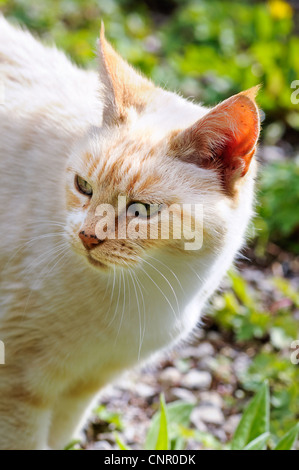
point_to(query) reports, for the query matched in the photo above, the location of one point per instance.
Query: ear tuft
(251, 93)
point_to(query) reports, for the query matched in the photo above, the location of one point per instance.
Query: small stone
(228, 352)
(196, 420)
(202, 350)
(241, 364)
(214, 336)
(211, 398)
(128, 434)
(170, 375)
(143, 390)
(197, 379)
(183, 394)
(205, 349)
(101, 445)
(231, 424)
(210, 415)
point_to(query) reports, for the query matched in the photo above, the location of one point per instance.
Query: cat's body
(69, 328)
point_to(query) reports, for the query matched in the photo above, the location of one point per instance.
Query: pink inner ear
(242, 131)
(225, 138)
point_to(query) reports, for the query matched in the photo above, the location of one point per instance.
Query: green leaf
(178, 414)
(255, 420)
(259, 443)
(120, 443)
(163, 440)
(289, 439)
(72, 445)
(110, 417)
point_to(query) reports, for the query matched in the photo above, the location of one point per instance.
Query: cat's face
(133, 184)
(148, 181)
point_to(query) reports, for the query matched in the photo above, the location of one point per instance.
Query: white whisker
(165, 278)
(160, 290)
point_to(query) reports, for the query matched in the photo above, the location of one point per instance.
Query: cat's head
(156, 167)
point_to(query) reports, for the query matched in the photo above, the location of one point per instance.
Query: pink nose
(89, 241)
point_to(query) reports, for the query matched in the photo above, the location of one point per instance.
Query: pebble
(205, 349)
(231, 424)
(196, 379)
(196, 420)
(241, 364)
(210, 414)
(211, 398)
(170, 375)
(202, 350)
(143, 390)
(101, 445)
(183, 394)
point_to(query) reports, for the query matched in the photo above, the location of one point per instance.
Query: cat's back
(46, 104)
(34, 76)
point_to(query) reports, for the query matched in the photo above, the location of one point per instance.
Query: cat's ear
(123, 86)
(224, 139)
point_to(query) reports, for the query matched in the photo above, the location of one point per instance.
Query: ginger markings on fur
(78, 309)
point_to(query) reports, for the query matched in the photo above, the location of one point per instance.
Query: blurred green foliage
(169, 428)
(242, 312)
(278, 205)
(205, 49)
(208, 49)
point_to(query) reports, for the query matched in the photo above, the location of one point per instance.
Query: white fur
(63, 322)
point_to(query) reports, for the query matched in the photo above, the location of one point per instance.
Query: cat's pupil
(136, 213)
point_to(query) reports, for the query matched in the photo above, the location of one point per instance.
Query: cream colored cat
(76, 311)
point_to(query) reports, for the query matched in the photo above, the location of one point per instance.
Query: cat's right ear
(123, 86)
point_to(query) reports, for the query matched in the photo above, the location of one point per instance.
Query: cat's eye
(145, 211)
(83, 186)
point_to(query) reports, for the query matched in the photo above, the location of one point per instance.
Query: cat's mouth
(108, 263)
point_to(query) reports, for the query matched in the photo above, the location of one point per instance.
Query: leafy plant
(278, 202)
(207, 49)
(252, 433)
(254, 427)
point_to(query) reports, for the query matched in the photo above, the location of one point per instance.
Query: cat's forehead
(122, 147)
(121, 160)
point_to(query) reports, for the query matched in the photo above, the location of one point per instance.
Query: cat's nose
(90, 241)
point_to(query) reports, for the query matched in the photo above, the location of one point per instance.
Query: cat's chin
(106, 265)
(97, 264)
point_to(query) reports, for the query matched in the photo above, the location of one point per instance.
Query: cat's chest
(109, 324)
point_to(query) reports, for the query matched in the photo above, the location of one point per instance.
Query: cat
(75, 309)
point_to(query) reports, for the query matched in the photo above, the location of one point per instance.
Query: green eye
(145, 211)
(83, 186)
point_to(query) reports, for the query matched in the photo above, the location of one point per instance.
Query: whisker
(24, 245)
(123, 310)
(139, 314)
(43, 256)
(165, 278)
(192, 269)
(167, 267)
(117, 304)
(160, 290)
(112, 293)
(139, 284)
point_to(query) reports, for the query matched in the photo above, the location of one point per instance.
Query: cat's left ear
(123, 86)
(224, 139)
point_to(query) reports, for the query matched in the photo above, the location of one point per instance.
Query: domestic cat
(76, 309)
